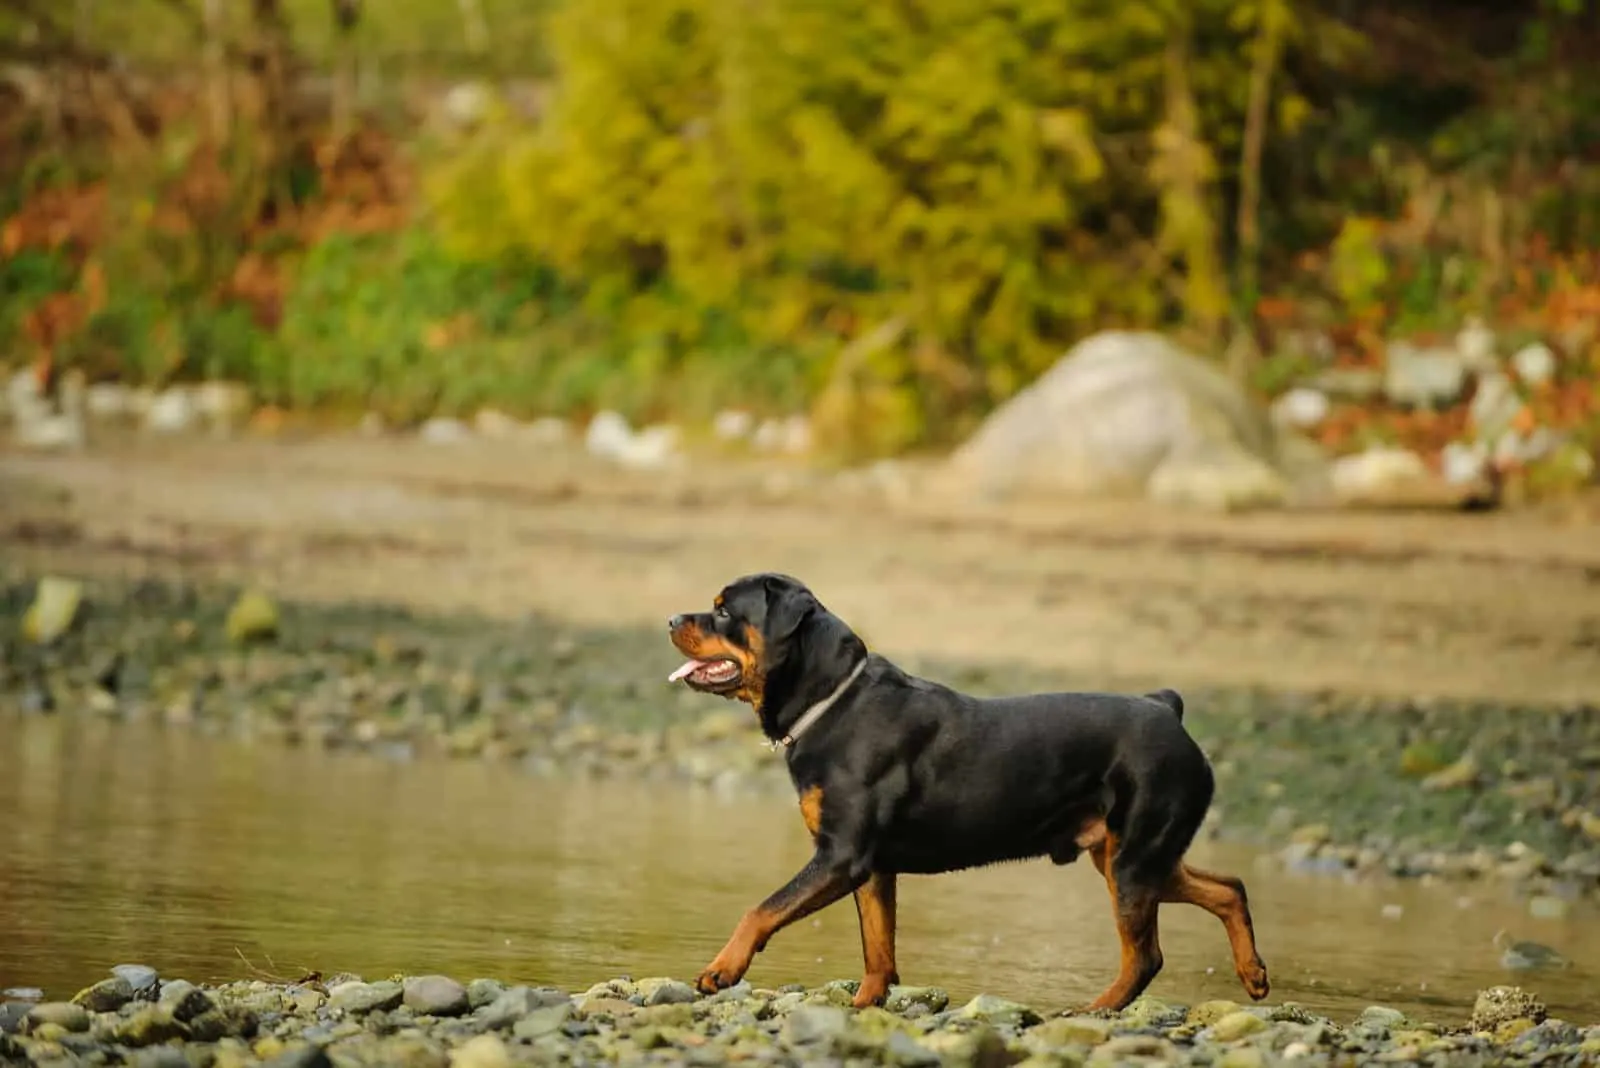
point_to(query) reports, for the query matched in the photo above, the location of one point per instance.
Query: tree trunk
(219, 93)
(1274, 17)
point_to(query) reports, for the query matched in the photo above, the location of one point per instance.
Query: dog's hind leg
(1224, 897)
(1134, 905)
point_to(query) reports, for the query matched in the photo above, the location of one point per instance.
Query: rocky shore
(135, 1017)
(1336, 784)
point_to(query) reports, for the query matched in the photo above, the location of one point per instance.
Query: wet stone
(69, 1016)
(141, 979)
(435, 995)
(361, 998)
(916, 1000)
(108, 995)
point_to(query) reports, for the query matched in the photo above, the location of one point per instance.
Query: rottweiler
(899, 775)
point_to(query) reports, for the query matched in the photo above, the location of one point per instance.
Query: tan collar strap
(816, 711)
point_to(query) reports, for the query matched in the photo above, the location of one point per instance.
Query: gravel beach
(137, 1018)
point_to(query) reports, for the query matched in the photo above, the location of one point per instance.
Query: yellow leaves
(1071, 132)
(1294, 111)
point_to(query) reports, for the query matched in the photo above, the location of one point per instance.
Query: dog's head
(768, 641)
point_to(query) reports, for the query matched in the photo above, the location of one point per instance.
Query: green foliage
(800, 173)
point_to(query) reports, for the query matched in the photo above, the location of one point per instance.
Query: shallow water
(215, 860)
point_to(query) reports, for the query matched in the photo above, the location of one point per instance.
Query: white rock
(1126, 414)
(49, 431)
(796, 435)
(652, 448)
(23, 393)
(222, 404)
(1514, 448)
(547, 430)
(768, 437)
(1463, 464)
(1476, 344)
(608, 435)
(1423, 378)
(172, 411)
(495, 424)
(733, 424)
(1494, 405)
(108, 400)
(1301, 408)
(1535, 364)
(1376, 472)
(466, 103)
(444, 431)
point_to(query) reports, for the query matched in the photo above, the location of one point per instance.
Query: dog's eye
(719, 613)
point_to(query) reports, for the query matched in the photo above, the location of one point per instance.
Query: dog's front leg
(826, 878)
(875, 910)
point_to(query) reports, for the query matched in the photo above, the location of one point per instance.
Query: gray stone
(63, 1014)
(362, 998)
(1128, 413)
(149, 1027)
(481, 1051)
(300, 1056)
(184, 1000)
(481, 992)
(999, 1011)
(518, 1002)
(814, 1023)
(141, 978)
(159, 1057)
(1071, 1031)
(666, 992)
(540, 1022)
(928, 999)
(108, 995)
(435, 995)
(1130, 1047)
(1237, 1025)
(901, 1049)
(1381, 1016)
(1499, 1005)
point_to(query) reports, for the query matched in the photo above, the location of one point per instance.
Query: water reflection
(213, 860)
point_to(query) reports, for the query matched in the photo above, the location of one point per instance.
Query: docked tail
(1171, 698)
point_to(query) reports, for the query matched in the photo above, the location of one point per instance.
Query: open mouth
(712, 674)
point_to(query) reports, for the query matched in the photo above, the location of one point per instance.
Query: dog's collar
(816, 711)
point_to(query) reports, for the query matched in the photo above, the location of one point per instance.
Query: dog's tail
(1171, 698)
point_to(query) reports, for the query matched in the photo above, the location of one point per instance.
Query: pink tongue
(689, 666)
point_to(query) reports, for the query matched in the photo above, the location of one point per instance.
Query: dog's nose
(674, 622)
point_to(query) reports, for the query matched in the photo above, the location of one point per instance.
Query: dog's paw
(717, 977)
(1255, 980)
(873, 990)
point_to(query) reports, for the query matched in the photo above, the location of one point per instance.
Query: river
(210, 860)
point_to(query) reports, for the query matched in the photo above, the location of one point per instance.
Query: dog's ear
(788, 605)
(831, 649)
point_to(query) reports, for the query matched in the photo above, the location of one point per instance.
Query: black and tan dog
(898, 775)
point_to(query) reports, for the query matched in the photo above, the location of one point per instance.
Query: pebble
(361, 998)
(795, 1026)
(436, 995)
(140, 978)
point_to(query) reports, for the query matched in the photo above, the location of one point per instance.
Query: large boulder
(1130, 414)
